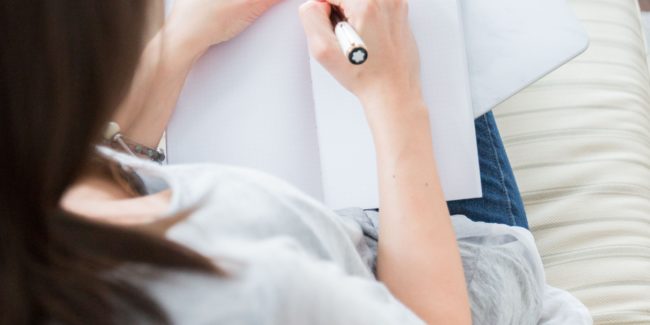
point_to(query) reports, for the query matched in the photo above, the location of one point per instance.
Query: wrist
(162, 70)
(392, 118)
(390, 105)
(381, 94)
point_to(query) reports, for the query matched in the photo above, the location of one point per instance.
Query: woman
(85, 241)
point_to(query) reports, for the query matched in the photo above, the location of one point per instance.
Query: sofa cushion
(579, 142)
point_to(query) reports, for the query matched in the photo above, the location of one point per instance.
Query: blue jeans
(501, 201)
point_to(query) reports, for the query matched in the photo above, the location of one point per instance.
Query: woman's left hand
(191, 28)
(199, 24)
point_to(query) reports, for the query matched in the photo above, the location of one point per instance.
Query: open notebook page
(249, 102)
(347, 152)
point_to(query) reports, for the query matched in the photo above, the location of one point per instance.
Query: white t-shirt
(291, 260)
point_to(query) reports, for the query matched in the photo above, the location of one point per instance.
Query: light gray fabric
(293, 261)
(503, 271)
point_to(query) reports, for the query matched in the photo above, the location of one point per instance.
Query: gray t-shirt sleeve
(320, 292)
(281, 285)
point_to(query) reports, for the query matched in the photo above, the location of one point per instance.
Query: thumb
(321, 40)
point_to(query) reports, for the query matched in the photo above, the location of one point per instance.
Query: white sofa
(579, 142)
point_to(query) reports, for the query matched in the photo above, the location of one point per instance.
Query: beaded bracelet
(115, 139)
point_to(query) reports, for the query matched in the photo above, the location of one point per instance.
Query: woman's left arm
(191, 28)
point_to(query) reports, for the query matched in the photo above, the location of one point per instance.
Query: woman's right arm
(418, 257)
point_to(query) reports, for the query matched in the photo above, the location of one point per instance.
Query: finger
(319, 31)
(338, 3)
(352, 10)
(315, 18)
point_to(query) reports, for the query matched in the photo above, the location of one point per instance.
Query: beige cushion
(579, 141)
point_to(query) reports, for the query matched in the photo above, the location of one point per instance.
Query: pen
(351, 43)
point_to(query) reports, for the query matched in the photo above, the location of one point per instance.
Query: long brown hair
(64, 67)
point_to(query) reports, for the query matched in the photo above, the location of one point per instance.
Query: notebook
(259, 101)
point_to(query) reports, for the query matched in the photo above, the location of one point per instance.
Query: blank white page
(249, 102)
(513, 43)
(347, 151)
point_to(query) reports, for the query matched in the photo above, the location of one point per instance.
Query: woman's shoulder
(275, 284)
(219, 190)
(255, 286)
(235, 204)
(231, 207)
(204, 184)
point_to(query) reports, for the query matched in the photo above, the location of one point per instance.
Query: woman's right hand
(392, 68)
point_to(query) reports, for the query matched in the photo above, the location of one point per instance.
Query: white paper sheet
(513, 43)
(248, 102)
(346, 147)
